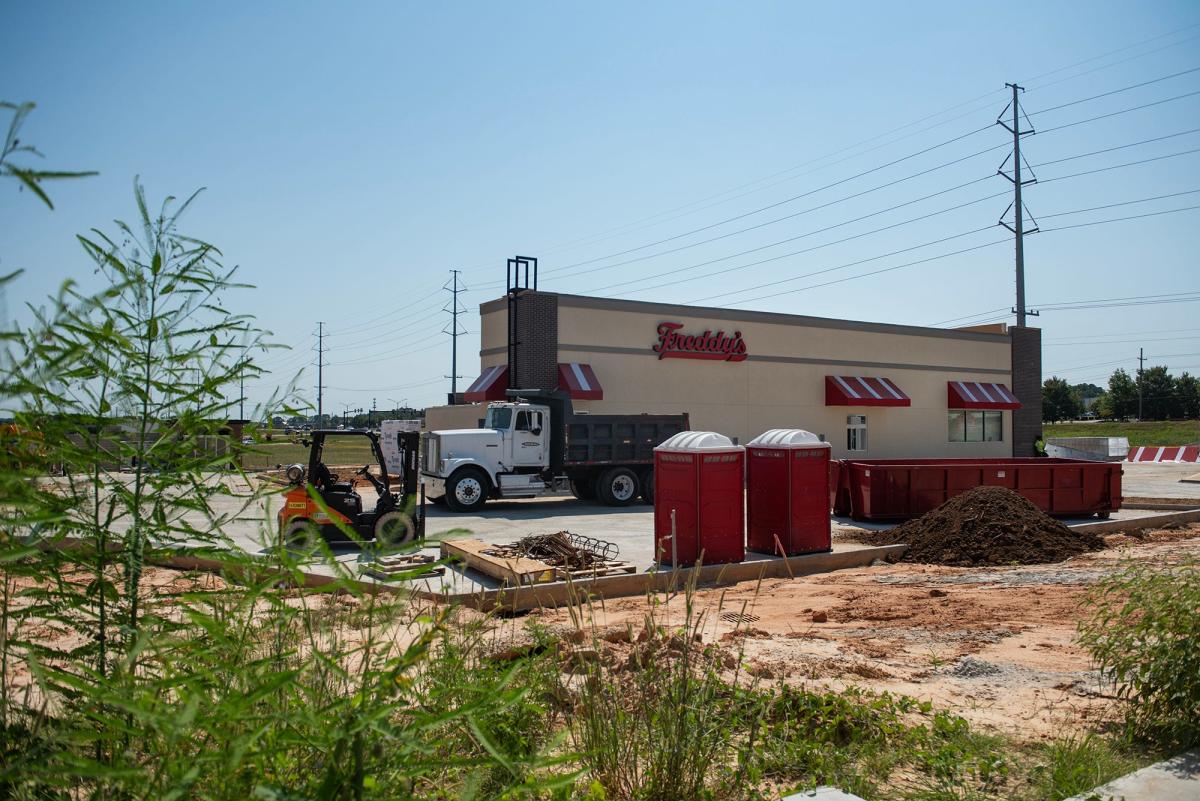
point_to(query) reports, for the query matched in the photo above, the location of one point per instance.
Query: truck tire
(467, 490)
(584, 488)
(618, 486)
(648, 485)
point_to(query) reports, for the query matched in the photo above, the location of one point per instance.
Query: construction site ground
(630, 528)
(995, 645)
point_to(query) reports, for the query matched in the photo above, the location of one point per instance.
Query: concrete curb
(565, 593)
(1174, 779)
(1133, 524)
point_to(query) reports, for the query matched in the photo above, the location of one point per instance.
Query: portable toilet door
(788, 481)
(699, 482)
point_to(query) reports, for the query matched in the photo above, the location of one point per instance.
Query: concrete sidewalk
(1175, 779)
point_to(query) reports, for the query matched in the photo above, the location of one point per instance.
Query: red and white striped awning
(1166, 453)
(979, 395)
(490, 385)
(580, 381)
(858, 390)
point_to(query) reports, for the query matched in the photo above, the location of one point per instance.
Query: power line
(773, 205)
(1119, 166)
(1121, 219)
(607, 233)
(1061, 304)
(836, 183)
(910, 264)
(1123, 111)
(796, 252)
(1115, 342)
(1117, 147)
(808, 211)
(827, 228)
(1122, 61)
(1116, 91)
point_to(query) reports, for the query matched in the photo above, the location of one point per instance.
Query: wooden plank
(394, 572)
(602, 569)
(512, 571)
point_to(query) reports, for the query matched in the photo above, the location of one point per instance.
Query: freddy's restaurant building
(870, 389)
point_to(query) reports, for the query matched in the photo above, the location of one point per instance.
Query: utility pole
(453, 288)
(1141, 365)
(1018, 207)
(371, 414)
(320, 370)
(241, 396)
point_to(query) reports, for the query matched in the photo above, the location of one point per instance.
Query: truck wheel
(301, 536)
(584, 488)
(648, 486)
(618, 487)
(467, 490)
(394, 528)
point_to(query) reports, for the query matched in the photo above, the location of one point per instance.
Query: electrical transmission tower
(1018, 206)
(454, 286)
(320, 370)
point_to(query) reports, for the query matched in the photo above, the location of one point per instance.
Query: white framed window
(974, 425)
(856, 432)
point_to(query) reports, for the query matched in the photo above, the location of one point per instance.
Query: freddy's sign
(672, 344)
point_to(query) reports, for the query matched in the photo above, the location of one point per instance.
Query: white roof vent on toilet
(689, 441)
(787, 438)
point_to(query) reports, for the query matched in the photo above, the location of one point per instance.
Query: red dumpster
(787, 489)
(895, 489)
(699, 479)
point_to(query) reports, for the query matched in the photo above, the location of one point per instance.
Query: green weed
(1143, 636)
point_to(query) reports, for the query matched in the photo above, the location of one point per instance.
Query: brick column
(1027, 386)
(537, 341)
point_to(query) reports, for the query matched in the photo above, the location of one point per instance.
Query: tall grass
(118, 688)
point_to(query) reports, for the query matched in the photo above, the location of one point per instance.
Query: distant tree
(1088, 391)
(1102, 407)
(1060, 401)
(1187, 395)
(1158, 394)
(1122, 395)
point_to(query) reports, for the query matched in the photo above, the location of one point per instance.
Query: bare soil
(995, 644)
(986, 526)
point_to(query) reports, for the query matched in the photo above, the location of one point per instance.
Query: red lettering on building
(718, 346)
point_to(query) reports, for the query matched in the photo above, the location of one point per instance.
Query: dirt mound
(987, 526)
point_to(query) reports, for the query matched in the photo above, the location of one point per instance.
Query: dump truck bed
(618, 438)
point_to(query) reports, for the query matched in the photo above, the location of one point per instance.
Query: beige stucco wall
(743, 399)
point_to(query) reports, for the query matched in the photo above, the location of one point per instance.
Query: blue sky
(352, 154)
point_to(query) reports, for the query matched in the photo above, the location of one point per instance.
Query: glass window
(970, 425)
(974, 426)
(993, 426)
(856, 433)
(523, 421)
(499, 417)
(958, 426)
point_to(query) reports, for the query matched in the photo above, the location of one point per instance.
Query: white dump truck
(536, 444)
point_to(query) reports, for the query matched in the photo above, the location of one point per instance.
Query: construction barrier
(1164, 453)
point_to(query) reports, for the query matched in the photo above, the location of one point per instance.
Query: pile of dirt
(987, 526)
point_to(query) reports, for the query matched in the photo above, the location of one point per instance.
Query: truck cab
(506, 458)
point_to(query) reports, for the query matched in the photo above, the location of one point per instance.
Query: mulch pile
(986, 526)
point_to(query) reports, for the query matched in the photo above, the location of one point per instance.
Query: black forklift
(398, 518)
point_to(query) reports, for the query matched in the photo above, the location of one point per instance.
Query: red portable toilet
(787, 480)
(699, 476)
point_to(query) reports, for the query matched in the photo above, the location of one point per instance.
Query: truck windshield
(499, 417)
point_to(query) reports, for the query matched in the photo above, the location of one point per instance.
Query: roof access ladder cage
(517, 280)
